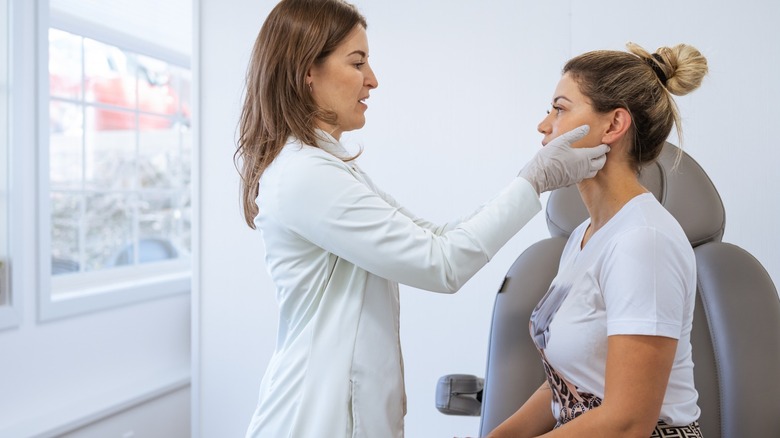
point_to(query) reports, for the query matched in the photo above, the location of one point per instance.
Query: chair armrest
(459, 394)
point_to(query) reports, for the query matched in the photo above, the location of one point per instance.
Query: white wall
(236, 311)
(462, 86)
(60, 374)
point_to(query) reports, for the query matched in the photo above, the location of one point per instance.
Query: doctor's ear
(619, 125)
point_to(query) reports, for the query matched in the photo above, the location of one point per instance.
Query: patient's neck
(606, 193)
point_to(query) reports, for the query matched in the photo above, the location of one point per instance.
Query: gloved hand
(559, 165)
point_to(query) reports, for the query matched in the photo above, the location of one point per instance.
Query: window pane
(109, 154)
(66, 138)
(184, 214)
(181, 81)
(157, 93)
(66, 118)
(186, 153)
(65, 215)
(160, 160)
(65, 78)
(108, 225)
(148, 122)
(102, 119)
(159, 226)
(110, 75)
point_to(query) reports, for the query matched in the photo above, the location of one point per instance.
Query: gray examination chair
(736, 327)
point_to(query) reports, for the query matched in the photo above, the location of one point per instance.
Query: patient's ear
(619, 124)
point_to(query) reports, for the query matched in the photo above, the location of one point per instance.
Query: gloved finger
(572, 136)
(595, 165)
(598, 161)
(596, 151)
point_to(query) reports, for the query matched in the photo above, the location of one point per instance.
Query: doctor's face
(570, 109)
(341, 83)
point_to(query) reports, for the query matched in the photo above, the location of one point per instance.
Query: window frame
(10, 303)
(121, 286)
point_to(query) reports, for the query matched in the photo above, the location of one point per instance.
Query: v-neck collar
(604, 229)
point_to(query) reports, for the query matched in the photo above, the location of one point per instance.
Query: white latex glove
(559, 165)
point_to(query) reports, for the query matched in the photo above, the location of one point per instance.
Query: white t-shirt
(635, 276)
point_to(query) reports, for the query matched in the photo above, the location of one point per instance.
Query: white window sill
(77, 294)
(87, 411)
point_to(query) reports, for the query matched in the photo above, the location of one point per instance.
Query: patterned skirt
(663, 430)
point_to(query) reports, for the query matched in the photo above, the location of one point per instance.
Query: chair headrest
(686, 192)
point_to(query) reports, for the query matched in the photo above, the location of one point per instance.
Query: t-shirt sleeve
(644, 281)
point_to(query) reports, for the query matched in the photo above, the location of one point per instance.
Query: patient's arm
(638, 369)
(534, 418)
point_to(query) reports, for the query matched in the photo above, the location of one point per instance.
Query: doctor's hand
(559, 165)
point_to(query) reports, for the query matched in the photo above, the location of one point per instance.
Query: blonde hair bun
(683, 65)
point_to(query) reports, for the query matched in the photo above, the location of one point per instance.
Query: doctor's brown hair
(642, 83)
(296, 35)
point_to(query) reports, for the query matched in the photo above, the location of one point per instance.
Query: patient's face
(570, 109)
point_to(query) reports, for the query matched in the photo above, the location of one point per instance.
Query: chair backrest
(736, 329)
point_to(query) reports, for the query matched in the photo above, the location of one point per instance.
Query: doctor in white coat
(337, 246)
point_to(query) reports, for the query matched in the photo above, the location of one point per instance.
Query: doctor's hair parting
(278, 104)
(643, 84)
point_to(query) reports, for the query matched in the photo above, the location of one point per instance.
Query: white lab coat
(336, 249)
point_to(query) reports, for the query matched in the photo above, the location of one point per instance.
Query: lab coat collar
(329, 144)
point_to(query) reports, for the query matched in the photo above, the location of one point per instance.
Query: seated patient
(614, 328)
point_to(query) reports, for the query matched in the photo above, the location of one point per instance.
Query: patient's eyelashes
(555, 108)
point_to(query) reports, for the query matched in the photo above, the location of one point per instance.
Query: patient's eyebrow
(561, 97)
(358, 52)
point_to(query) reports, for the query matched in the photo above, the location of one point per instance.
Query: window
(117, 195)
